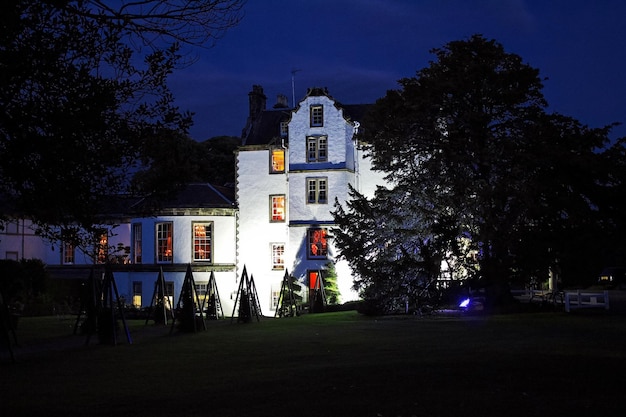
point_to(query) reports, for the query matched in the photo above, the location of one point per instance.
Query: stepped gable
(263, 126)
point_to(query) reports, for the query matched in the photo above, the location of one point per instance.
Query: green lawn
(333, 364)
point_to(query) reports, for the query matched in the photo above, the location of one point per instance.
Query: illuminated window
(278, 208)
(169, 294)
(317, 190)
(164, 236)
(202, 241)
(277, 163)
(278, 256)
(103, 248)
(137, 287)
(284, 129)
(68, 253)
(201, 292)
(317, 243)
(317, 116)
(137, 243)
(317, 148)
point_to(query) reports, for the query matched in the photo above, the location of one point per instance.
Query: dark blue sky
(360, 48)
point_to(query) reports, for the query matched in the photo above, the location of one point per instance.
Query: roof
(193, 196)
(265, 129)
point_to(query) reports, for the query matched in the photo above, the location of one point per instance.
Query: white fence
(586, 299)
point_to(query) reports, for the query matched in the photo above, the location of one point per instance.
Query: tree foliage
(482, 178)
(83, 88)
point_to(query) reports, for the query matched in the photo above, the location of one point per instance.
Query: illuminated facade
(292, 165)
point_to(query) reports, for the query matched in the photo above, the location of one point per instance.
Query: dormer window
(284, 129)
(317, 116)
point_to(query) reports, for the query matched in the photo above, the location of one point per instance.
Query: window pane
(137, 243)
(311, 149)
(278, 256)
(317, 116)
(103, 248)
(278, 208)
(322, 149)
(164, 242)
(202, 242)
(312, 191)
(318, 247)
(68, 253)
(278, 160)
(321, 193)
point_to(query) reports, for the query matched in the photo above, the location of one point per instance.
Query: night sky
(360, 48)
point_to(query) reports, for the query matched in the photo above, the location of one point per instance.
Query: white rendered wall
(256, 232)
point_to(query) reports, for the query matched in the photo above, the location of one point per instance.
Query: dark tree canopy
(83, 89)
(480, 175)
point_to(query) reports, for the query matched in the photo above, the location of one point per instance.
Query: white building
(292, 165)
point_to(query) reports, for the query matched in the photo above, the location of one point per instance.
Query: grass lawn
(333, 364)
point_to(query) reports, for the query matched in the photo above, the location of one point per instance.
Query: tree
(83, 88)
(482, 178)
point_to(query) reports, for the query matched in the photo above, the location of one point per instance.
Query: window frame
(137, 299)
(169, 246)
(277, 250)
(274, 218)
(274, 167)
(317, 190)
(320, 241)
(316, 115)
(102, 248)
(198, 241)
(317, 148)
(68, 253)
(137, 239)
(284, 129)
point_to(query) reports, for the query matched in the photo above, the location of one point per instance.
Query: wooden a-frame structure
(161, 308)
(288, 300)
(188, 309)
(102, 306)
(247, 300)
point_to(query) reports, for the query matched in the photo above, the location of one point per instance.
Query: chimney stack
(281, 102)
(257, 101)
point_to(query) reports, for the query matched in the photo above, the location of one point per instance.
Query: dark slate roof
(266, 128)
(192, 196)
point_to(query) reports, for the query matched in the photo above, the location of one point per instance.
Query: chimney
(281, 102)
(257, 101)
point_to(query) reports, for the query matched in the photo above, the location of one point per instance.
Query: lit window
(278, 256)
(278, 207)
(103, 248)
(284, 129)
(68, 253)
(137, 294)
(164, 238)
(317, 243)
(201, 292)
(317, 148)
(317, 116)
(277, 161)
(137, 243)
(317, 190)
(202, 241)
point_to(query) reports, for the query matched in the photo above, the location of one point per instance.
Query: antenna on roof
(293, 86)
